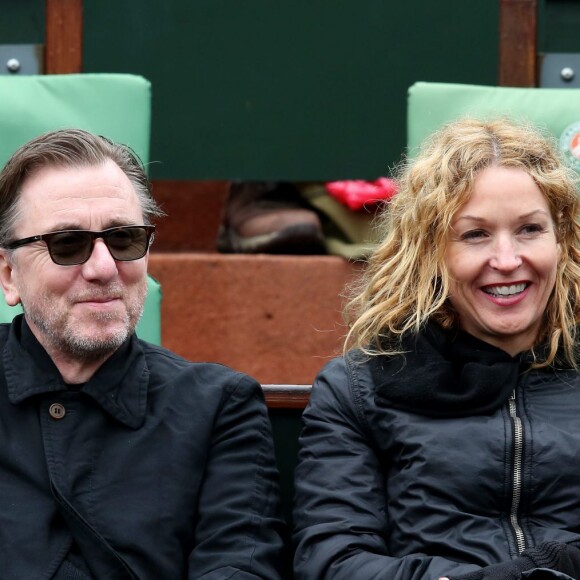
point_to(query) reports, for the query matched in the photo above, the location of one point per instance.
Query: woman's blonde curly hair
(406, 282)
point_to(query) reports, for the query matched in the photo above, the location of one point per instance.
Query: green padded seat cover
(430, 105)
(117, 106)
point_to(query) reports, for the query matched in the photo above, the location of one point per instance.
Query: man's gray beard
(63, 339)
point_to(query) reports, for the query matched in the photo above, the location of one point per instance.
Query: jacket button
(57, 411)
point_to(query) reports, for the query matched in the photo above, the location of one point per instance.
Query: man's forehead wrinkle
(118, 193)
(71, 220)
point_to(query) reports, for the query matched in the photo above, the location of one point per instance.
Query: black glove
(545, 574)
(547, 561)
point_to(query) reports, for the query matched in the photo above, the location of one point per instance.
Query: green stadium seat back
(117, 106)
(430, 105)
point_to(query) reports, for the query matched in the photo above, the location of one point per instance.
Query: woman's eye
(473, 235)
(532, 229)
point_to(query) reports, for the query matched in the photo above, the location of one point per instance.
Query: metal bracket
(21, 59)
(560, 70)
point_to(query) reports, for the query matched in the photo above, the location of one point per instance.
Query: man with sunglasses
(118, 459)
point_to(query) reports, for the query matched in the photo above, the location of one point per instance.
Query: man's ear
(11, 294)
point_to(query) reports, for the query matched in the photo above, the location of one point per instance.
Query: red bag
(358, 194)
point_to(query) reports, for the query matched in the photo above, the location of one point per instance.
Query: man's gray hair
(68, 148)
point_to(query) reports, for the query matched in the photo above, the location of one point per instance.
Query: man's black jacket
(156, 467)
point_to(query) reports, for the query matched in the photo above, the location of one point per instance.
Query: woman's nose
(506, 256)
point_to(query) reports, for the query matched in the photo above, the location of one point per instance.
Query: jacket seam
(255, 520)
(354, 385)
(259, 478)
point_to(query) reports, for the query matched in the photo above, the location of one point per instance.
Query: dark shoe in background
(268, 217)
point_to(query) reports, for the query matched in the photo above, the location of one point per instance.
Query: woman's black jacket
(439, 463)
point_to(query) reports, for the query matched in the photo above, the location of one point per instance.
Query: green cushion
(432, 104)
(117, 106)
(149, 327)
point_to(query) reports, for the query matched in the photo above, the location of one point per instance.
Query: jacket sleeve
(239, 529)
(340, 510)
(547, 561)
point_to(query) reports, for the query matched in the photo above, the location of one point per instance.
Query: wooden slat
(518, 43)
(287, 396)
(193, 209)
(64, 37)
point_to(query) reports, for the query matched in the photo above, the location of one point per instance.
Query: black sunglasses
(74, 247)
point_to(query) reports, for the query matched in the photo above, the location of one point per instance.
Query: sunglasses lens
(128, 243)
(70, 248)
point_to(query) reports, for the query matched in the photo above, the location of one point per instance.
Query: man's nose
(101, 264)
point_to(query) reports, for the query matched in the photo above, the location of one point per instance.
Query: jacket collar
(119, 386)
(446, 374)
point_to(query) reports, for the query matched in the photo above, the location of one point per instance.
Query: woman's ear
(11, 294)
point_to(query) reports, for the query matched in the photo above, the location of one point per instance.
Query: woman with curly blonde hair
(445, 443)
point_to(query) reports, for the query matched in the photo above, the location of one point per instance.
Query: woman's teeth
(505, 290)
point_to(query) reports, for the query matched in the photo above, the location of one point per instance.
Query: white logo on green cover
(570, 144)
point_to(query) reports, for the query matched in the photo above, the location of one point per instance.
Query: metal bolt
(13, 65)
(567, 73)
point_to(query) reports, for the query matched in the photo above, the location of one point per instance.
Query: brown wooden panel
(287, 396)
(276, 318)
(64, 36)
(193, 217)
(518, 43)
